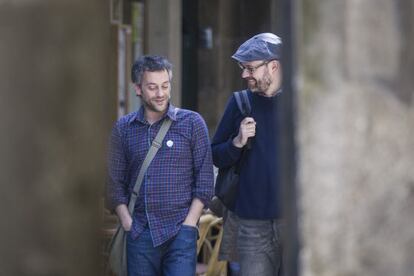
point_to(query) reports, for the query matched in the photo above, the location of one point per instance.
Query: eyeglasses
(252, 69)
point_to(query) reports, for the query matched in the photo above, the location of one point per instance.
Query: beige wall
(356, 140)
(55, 111)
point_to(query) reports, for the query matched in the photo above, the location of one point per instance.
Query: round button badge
(170, 143)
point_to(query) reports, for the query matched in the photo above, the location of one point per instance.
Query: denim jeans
(176, 257)
(259, 245)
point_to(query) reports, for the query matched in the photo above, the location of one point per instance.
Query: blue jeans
(259, 245)
(176, 257)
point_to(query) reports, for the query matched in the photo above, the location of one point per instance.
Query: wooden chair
(208, 245)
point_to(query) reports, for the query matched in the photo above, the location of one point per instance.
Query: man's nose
(158, 92)
(245, 73)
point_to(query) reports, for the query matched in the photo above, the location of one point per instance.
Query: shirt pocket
(177, 150)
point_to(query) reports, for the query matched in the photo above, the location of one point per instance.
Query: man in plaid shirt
(162, 233)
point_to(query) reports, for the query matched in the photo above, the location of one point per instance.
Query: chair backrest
(211, 234)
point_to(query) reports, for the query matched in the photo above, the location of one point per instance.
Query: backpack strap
(243, 102)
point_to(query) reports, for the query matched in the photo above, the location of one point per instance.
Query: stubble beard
(152, 106)
(260, 85)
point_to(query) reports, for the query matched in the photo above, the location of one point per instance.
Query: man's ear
(275, 65)
(138, 90)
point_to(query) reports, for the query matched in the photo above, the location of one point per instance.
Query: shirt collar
(139, 115)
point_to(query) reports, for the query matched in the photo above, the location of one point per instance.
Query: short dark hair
(149, 63)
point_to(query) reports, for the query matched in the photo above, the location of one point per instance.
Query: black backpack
(227, 182)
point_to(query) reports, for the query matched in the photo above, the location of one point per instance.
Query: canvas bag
(227, 182)
(117, 259)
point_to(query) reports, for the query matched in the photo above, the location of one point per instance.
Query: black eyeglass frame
(252, 69)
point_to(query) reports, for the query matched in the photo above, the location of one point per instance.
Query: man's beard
(148, 104)
(260, 85)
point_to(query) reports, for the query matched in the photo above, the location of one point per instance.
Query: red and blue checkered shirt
(181, 170)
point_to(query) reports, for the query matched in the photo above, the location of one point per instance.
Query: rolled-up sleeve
(117, 187)
(203, 187)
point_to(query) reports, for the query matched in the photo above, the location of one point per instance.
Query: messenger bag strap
(155, 146)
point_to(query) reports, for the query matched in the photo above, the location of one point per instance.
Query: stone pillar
(356, 137)
(54, 120)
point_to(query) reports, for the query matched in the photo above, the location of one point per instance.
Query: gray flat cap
(264, 46)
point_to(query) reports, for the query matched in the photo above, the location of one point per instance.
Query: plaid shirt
(181, 170)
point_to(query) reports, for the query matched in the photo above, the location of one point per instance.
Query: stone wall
(355, 137)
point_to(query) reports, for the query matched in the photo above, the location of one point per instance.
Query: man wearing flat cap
(255, 137)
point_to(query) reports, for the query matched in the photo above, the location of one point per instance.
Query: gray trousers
(255, 244)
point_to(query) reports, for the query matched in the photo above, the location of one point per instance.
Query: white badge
(170, 143)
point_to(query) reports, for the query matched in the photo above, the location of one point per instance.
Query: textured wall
(356, 137)
(53, 123)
